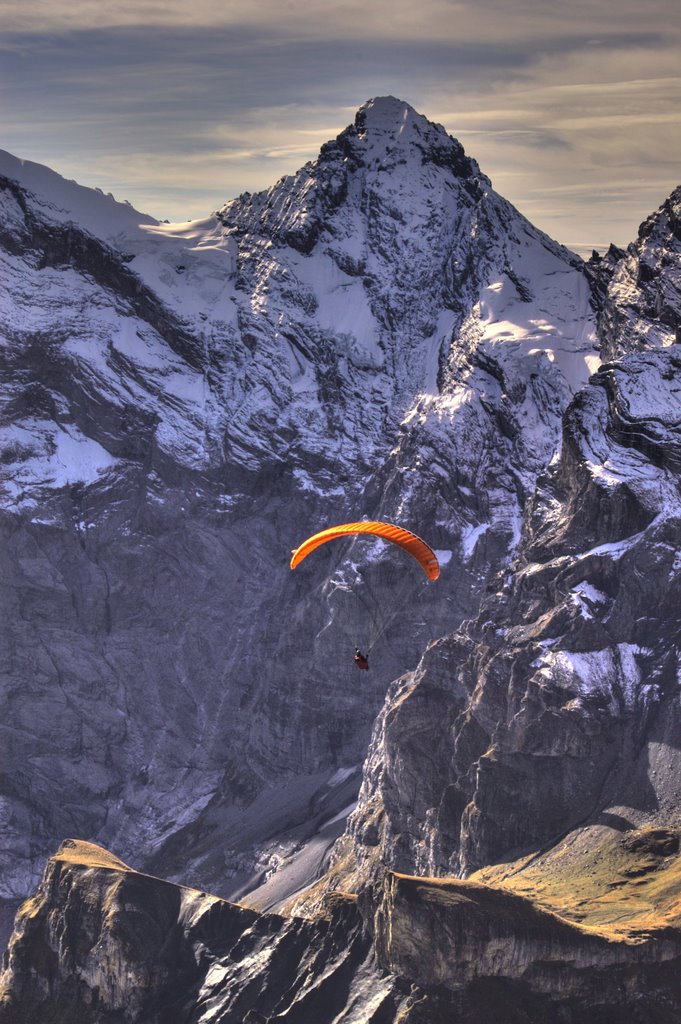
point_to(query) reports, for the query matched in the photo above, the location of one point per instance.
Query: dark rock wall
(561, 699)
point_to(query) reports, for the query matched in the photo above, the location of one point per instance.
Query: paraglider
(416, 547)
(402, 538)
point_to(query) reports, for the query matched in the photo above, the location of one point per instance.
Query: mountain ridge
(206, 409)
(379, 335)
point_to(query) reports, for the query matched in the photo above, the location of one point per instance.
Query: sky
(573, 110)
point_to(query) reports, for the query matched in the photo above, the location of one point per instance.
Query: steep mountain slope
(543, 737)
(380, 335)
(557, 707)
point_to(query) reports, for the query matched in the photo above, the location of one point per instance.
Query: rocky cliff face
(380, 335)
(556, 709)
(466, 937)
(100, 943)
(643, 296)
(558, 706)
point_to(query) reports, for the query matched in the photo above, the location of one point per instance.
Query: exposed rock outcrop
(461, 935)
(642, 308)
(100, 943)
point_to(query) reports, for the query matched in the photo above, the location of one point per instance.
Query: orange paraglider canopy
(416, 547)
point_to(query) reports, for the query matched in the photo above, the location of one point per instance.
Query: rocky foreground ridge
(382, 335)
(100, 942)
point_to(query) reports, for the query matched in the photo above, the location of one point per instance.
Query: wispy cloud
(177, 106)
(431, 20)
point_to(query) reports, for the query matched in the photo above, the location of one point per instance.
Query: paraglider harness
(360, 660)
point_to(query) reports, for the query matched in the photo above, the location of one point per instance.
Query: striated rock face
(379, 335)
(464, 936)
(557, 707)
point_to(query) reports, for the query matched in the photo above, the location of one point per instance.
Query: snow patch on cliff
(39, 453)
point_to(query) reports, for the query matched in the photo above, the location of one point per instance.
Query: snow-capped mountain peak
(388, 130)
(379, 334)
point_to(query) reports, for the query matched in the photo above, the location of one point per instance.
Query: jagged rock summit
(644, 295)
